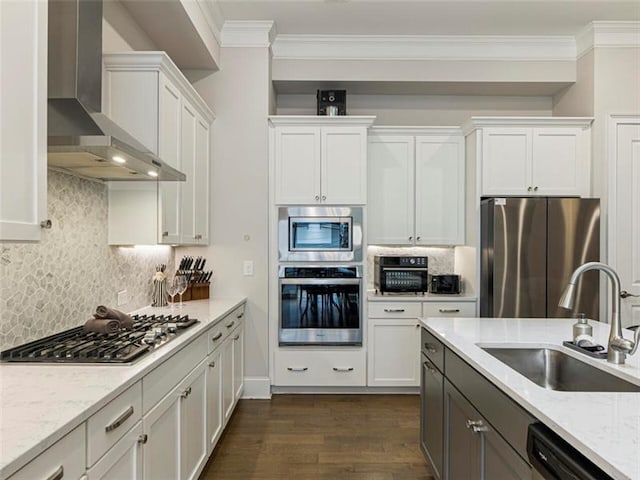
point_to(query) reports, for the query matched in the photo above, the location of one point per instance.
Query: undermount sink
(554, 370)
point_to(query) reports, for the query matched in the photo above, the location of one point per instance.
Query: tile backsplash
(57, 283)
(441, 259)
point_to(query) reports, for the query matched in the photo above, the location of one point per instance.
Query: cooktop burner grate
(79, 346)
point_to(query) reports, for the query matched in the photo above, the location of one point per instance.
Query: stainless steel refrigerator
(529, 248)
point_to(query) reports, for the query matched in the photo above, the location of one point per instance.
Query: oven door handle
(320, 281)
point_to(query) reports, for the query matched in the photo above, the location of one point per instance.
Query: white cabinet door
(558, 166)
(297, 165)
(214, 398)
(440, 185)
(201, 183)
(343, 165)
(506, 161)
(23, 138)
(394, 352)
(188, 122)
(228, 393)
(162, 450)
(238, 361)
(169, 108)
(123, 461)
(193, 428)
(390, 190)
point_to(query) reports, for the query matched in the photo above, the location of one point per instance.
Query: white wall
(120, 32)
(578, 99)
(434, 110)
(240, 97)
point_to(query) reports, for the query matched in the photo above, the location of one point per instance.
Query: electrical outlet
(123, 297)
(247, 268)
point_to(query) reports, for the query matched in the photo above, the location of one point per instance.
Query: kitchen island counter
(603, 426)
(40, 403)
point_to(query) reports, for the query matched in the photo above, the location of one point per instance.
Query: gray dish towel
(102, 325)
(105, 312)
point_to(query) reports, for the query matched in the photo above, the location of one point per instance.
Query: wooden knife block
(195, 291)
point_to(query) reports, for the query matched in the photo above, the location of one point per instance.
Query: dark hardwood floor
(324, 437)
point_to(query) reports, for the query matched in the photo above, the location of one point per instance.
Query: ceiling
(431, 17)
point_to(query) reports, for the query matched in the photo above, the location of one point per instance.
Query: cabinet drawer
(162, 379)
(433, 349)
(448, 309)
(216, 336)
(500, 411)
(64, 459)
(320, 368)
(395, 309)
(107, 426)
(231, 321)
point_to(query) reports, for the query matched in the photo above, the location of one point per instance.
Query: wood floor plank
(321, 437)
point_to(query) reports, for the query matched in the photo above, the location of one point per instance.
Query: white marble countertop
(604, 426)
(40, 403)
(372, 296)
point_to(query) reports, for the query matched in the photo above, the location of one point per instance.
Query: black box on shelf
(331, 102)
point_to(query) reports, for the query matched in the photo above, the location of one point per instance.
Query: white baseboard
(257, 387)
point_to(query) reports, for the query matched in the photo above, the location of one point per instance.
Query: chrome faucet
(619, 347)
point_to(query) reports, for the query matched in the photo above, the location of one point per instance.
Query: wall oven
(320, 305)
(311, 234)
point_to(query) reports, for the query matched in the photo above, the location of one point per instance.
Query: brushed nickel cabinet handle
(143, 438)
(535, 189)
(212, 364)
(240, 315)
(297, 369)
(58, 474)
(46, 224)
(394, 310)
(186, 393)
(236, 337)
(343, 369)
(418, 238)
(324, 197)
(411, 238)
(431, 368)
(317, 197)
(198, 236)
(229, 325)
(477, 426)
(430, 348)
(528, 189)
(217, 337)
(120, 420)
(165, 234)
(449, 310)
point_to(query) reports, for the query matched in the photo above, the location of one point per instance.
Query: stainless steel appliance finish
(529, 248)
(320, 305)
(77, 345)
(81, 139)
(320, 234)
(401, 274)
(554, 370)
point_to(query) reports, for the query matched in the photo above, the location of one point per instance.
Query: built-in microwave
(320, 234)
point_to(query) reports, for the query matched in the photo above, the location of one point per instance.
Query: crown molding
(318, 120)
(237, 33)
(479, 122)
(214, 17)
(607, 35)
(424, 47)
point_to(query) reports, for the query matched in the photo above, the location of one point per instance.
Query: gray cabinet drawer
(504, 414)
(433, 349)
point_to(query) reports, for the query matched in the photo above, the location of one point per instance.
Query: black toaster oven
(396, 274)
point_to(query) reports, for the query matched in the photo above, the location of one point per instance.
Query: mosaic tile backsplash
(441, 259)
(57, 283)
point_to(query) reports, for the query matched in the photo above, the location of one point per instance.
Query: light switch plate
(247, 268)
(123, 297)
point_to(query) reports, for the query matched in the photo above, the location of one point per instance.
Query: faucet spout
(619, 346)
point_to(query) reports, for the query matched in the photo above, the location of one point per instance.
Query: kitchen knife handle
(120, 420)
(57, 475)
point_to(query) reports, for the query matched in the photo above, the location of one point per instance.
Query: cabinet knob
(411, 238)
(165, 234)
(186, 393)
(528, 189)
(535, 189)
(143, 438)
(430, 348)
(236, 337)
(197, 236)
(46, 224)
(477, 426)
(317, 197)
(324, 197)
(418, 238)
(212, 364)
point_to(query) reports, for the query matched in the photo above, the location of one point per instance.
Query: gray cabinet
(469, 429)
(432, 415)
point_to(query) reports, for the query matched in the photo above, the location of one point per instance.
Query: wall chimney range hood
(81, 139)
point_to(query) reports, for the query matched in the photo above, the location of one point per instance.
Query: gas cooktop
(76, 345)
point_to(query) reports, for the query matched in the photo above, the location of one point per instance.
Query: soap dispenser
(582, 330)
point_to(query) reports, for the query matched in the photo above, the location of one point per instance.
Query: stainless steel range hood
(81, 139)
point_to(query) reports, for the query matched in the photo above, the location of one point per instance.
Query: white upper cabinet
(533, 156)
(148, 96)
(416, 183)
(23, 139)
(320, 160)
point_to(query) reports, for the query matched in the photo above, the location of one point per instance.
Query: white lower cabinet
(393, 361)
(227, 379)
(214, 398)
(193, 431)
(237, 336)
(123, 461)
(64, 459)
(343, 366)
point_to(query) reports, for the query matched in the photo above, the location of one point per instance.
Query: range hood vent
(81, 139)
